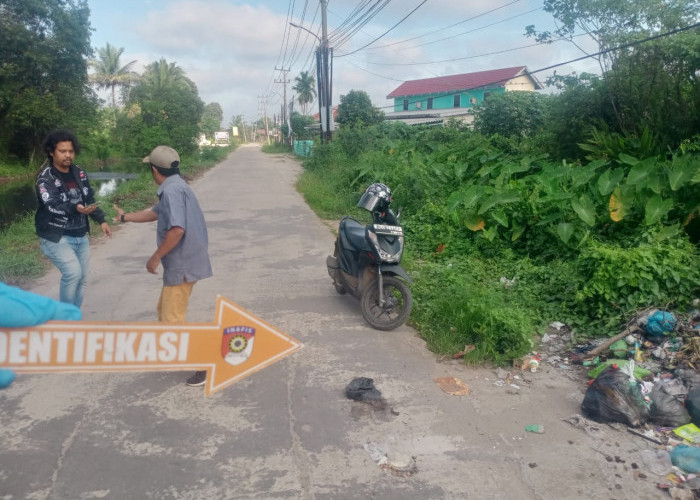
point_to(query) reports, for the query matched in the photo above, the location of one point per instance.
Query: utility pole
(284, 81)
(262, 100)
(324, 67)
(327, 108)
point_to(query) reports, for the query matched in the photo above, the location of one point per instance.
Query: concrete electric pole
(284, 81)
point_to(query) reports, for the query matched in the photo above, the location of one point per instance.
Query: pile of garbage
(648, 378)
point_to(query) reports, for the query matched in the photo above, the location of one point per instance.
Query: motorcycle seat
(352, 233)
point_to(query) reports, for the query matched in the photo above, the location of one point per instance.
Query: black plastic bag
(612, 397)
(692, 403)
(666, 410)
(362, 389)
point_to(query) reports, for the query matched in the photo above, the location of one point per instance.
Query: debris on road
(452, 386)
(645, 379)
(391, 459)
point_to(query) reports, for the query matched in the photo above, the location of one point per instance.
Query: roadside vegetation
(582, 206)
(276, 148)
(49, 82)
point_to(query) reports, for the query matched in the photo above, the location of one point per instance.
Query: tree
(108, 71)
(162, 76)
(652, 84)
(305, 89)
(44, 46)
(163, 108)
(211, 119)
(511, 114)
(355, 109)
(244, 130)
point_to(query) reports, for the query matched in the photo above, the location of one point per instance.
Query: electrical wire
(476, 56)
(445, 28)
(477, 29)
(587, 56)
(386, 32)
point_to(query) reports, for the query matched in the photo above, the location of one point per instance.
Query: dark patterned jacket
(54, 205)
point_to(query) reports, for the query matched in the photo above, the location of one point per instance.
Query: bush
(454, 309)
(620, 279)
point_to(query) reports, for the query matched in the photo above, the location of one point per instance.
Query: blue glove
(20, 308)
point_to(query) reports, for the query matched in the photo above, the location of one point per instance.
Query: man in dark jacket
(65, 200)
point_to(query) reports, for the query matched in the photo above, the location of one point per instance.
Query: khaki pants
(172, 305)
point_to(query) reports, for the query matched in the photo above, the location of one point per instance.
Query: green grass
(276, 148)
(20, 257)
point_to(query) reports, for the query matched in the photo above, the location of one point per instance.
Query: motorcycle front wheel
(397, 304)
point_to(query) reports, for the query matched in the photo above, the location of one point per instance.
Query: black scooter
(366, 262)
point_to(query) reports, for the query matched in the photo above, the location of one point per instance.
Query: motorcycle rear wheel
(398, 302)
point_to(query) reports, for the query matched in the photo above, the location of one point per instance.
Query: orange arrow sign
(236, 345)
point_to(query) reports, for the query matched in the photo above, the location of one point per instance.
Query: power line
(479, 28)
(513, 49)
(387, 31)
(588, 56)
(446, 27)
(343, 37)
(372, 73)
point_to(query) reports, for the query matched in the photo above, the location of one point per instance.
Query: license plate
(392, 230)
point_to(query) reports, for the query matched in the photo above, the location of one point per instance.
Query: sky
(234, 50)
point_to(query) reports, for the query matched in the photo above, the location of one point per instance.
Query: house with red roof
(435, 100)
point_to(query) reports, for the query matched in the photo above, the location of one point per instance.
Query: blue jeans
(71, 256)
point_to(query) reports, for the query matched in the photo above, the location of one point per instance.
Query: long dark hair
(54, 137)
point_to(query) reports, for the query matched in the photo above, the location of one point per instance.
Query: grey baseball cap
(163, 157)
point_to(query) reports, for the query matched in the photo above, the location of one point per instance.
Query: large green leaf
(627, 159)
(491, 233)
(499, 199)
(680, 173)
(500, 217)
(581, 175)
(609, 180)
(516, 168)
(656, 208)
(639, 173)
(517, 232)
(460, 170)
(585, 209)
(565, 230)
(466, 199)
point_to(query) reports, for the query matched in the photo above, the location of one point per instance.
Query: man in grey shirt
(181, 236)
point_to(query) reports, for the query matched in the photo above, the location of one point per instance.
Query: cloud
(231, 50)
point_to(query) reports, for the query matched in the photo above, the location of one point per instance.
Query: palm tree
(305, 88)
(109, 74)
(162, 75)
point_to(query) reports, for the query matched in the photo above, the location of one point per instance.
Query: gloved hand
(21, 308)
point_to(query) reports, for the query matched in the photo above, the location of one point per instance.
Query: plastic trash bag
(362, 389)
(687, 458)
(692, 403)
(613, 397)
(666, 410)
(659, 324)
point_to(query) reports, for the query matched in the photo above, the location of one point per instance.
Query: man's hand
(152, 264)
(106, 230)
(120, 212)
(85, 210)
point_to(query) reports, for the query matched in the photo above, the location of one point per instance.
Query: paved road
(287, 431)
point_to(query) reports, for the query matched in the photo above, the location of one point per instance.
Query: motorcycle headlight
(384, 256)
